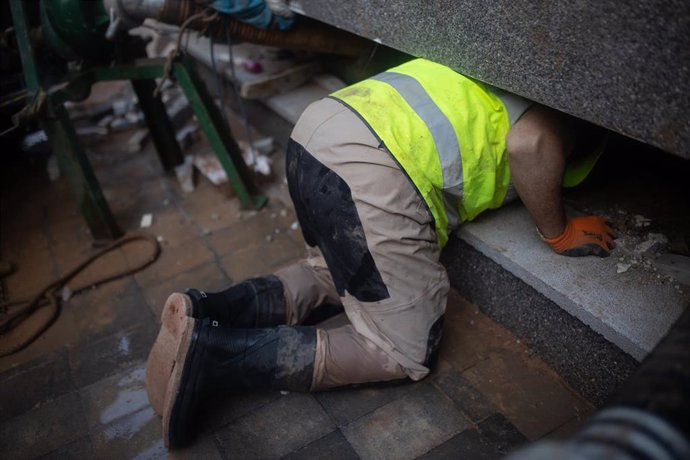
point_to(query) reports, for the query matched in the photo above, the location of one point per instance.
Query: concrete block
(632, 309)
(623, 67)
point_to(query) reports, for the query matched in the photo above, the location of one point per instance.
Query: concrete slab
(633, 309)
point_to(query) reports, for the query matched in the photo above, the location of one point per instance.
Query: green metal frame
(142, 73)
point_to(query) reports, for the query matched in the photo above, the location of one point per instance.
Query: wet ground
(78, 391)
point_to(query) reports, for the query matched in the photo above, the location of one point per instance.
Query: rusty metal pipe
(307, 34)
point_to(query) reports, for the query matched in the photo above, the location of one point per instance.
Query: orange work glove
(584, 236)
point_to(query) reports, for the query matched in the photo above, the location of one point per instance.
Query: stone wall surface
(621, 65)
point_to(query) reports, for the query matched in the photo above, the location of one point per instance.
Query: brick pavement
(78, 392)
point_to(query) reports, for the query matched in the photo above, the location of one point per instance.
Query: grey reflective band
(439, 125)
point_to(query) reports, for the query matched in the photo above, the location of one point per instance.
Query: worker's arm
(537, 146)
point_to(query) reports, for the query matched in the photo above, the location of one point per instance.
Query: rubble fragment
(622, 267)
(146, 220)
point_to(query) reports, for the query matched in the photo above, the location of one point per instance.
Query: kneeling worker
(379, 172)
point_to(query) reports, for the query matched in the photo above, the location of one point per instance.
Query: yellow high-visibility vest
(445, 130)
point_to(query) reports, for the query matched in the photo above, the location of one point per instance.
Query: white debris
(210, 167)
(283, 392)
(654, 242)
(160, 239)
(146, 220)
(283, 213)
(294, 226)
(185, 174)
(622, 268)
(66, 293)
(642, 221)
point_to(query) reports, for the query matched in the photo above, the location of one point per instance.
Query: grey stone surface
(624, 67)
(333, 446)
(94, 361)
(43, 429)
(348, 404)
(407, 427)
(466, 397)
(276, 429)
(39, 381)
(632, 310)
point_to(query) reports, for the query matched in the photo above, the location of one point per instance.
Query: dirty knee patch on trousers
(329, 220)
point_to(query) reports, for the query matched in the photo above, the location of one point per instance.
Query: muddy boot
(257, 302)
(211, 359)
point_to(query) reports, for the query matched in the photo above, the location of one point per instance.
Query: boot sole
(177, 403)
(161, 359)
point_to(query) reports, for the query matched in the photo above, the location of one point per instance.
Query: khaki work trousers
(386, 339)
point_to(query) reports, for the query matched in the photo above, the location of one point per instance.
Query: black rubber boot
(257, 302)
(217, 359)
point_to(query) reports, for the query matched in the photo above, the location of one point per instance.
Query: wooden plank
(280, 82)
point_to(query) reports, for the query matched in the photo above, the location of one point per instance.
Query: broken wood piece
(280, 82)
(210, 167)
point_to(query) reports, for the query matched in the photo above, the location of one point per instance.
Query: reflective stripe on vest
(445, 130)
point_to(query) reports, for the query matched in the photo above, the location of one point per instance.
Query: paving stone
(106, 266)
(348, 404)
(224, 410)
(115, 397)
(333, 446)
(38, 382)
(77, 450)
(203, 448)
(470, 336)
(249, 233)
(212, 217)
(53, 340)
(570, 427)
(467, 398)
(407, 427)
(43, 429)
(208, 277)
(70, 230)
(33, 272)
(173, 226)
(205, 194)
(96, 360)
(136, 435)
(262, 260)
(526, 391)
(502, 434)
(18, 237)
(107, 309)
(469, 444)
(277, 429)
(172, 262)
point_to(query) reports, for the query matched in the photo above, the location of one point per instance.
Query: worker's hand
(584, 236)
